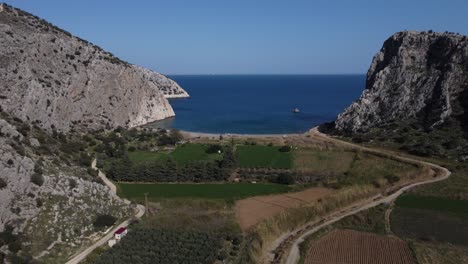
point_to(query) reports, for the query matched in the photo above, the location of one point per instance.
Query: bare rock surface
(416, 75)
(62, 82)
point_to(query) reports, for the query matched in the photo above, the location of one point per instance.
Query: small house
(121, 232)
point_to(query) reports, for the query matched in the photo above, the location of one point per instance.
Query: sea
(260, 104)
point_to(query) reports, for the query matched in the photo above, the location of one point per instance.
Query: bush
(285, 149)
(37, 179)
(285, 178)
(131, 148)
(3, 183)
(104, 221)
(212, 149)
(72, 183)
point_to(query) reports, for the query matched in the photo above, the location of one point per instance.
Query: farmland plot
(352, 247)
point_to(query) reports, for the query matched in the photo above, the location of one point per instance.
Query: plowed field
(352, 247)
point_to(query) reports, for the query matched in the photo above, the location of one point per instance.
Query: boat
(296, 110)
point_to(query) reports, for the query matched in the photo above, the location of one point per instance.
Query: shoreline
(191, 135)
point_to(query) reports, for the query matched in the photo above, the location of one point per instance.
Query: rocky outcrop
(45, 198)
(421, 76)
(62, 82)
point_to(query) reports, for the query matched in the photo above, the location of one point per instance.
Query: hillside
(416, 95)
(49, 200)
(61, 82)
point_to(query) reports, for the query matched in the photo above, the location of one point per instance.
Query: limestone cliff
(416, 75)
(59, 81)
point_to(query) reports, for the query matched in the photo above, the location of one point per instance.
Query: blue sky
(248, 37)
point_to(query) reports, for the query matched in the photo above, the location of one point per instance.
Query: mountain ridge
(418, 78)
(62, 82)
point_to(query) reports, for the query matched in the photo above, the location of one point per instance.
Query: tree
(285, 178)
(104, 220)
(37, 179)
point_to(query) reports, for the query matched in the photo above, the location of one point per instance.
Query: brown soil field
(353, 247)
(252, 210)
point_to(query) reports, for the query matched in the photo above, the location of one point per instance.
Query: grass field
(316, 160)
(226, 191)
(260, 156)
(433, 203)
(430, 225)
(183, 154)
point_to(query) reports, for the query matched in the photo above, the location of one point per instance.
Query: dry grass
(318, 161)
(436, 253)
(253, 210)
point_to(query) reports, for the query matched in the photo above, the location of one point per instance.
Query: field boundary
(288, 244)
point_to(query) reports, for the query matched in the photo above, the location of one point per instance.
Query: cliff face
(61, 82)
(422, 76)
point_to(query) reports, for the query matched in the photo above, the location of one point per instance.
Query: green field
(432, 203)
(183, 154)
(227, 191)
(258, 156)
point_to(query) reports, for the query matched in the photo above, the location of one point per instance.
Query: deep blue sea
(261, 104)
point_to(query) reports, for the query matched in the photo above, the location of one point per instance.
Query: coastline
(192, 135)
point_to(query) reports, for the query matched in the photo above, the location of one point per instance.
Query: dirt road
(297, 236)
(140, 211)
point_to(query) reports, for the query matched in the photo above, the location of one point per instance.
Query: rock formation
(422, 76)
(62, 82)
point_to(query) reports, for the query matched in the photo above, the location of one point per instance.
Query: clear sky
(248, 36)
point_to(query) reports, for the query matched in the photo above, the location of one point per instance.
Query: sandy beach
(192, 135)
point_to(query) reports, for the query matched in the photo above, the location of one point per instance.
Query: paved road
(140, 212)
(293, 256)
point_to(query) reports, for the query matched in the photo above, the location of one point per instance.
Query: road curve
(293, 256)
(139, 213)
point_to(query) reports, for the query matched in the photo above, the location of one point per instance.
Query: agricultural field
(430, 225)
(319, 161)
(251, 211)
(353, 247)
(180, 231)
(262, 156)
(431, 218)
(433, 203)
(225, 191)
(183, 154)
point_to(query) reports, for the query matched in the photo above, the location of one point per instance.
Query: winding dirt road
(290, 241)
(140, 211)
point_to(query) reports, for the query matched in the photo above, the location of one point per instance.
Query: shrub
(3, 183)
(104, 220)
(72, 183)
(213, 149)
(37, 179)
(39, 202)
(131, 148)
(285, 149)
(10, 162)
(285, 178)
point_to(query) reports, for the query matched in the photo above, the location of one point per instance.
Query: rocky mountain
(49, 201)
(61, 82)
(417, 78)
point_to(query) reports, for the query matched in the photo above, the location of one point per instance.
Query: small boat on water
(296, 110)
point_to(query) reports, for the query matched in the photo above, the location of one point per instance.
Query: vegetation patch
(143, 245)
(260, 156)
(433, 203)
(430, 225)
(226, 191)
